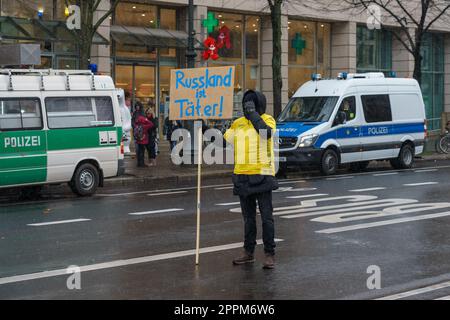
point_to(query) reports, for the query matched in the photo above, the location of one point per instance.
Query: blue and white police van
(353, 120)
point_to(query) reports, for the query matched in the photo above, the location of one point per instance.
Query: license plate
(281, 159)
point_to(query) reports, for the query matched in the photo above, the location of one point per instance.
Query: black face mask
(249, 108)
(258, 99)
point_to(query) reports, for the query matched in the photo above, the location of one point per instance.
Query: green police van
(59, 126)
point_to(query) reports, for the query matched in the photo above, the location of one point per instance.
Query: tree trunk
(276, 58)
(418, 66)
(418, 58)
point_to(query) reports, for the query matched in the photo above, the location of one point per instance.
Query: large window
(17, 114)
(145, 15)
(374, 50)
(79, 112)
(309, 52)
(377, 108)
(44, 9)
(242, 51)
(433, 78)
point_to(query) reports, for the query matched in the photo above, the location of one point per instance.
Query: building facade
(144, 40)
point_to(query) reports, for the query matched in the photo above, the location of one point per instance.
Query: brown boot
(244, 258)
(269, 263)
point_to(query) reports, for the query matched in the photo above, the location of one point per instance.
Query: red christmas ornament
(224, 38)
(211, 49)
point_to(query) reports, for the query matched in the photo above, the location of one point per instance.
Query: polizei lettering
(378, 131)
(21, 142)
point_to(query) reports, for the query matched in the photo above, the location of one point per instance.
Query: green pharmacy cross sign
(211, 22)
(298, 43)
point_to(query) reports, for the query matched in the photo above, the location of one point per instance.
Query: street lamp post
(190, 53)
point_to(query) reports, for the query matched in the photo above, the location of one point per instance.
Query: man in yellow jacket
(254, 173)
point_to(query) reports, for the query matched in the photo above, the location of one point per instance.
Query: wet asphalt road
(329, 231)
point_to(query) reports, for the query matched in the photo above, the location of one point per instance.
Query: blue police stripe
(370, 131)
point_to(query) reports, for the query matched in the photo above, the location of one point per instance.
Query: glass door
(139, 80)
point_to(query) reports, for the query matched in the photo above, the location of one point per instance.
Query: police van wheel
(405, 158)
(330, 162)
(85, 180)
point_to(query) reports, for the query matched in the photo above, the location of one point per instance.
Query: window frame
(94, 112)
(21, 115)
(356, 108)
(363, 105)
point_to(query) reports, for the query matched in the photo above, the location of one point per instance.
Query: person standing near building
(141, 133)
(254, 174)
(152, 136)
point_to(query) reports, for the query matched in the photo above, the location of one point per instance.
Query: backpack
(138, 132)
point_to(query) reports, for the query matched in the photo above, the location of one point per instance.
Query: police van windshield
(308, 109)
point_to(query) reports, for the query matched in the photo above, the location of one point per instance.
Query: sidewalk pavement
(166, 174)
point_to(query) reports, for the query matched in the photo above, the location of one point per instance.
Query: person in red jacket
(141, 135)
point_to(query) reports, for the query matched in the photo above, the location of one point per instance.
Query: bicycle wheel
(444, 144)
(437, 146)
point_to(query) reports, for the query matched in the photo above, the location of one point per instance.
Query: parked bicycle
(443, 144)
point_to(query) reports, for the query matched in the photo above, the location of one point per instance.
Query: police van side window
(79, 112)
(348, 106)
(20, 114)
(377, 108)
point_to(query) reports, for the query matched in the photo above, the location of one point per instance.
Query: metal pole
(190, 53)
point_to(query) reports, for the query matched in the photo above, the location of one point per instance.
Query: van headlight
(307, 141)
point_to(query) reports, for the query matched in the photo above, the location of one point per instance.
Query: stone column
(101, 54)
(343, 47)
(402, 59)
(266, 61)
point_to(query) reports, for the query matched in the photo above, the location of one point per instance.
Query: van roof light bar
(368, 75)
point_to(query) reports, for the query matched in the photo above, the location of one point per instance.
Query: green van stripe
(80, 138)
(23, 157)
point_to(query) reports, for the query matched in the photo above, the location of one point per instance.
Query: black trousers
(151, 149)
(140, 154)
(248, 206)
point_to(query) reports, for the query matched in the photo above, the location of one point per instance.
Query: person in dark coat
(254, 174)
(170, 127)
(141, 134)
(153, 133)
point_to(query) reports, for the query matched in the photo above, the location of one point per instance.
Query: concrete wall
(343, 47)
(101, 54)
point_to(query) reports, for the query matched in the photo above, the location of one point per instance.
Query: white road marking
(339, 178)
(384, 174)
(291, 181)
(56, 222)
(308, 196)
(426, 170)
(384, 223)
(121, 263)
(420, 184)
(292, 189)
(228, 204)
(155, 211)
(159, 190)
(224, 188)
(165, 193)
(416, 291)
(368, 189)
(443, 298)
(290, 214)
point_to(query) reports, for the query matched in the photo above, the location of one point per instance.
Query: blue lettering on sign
(204, 81)
(377, 130)
(190, 109)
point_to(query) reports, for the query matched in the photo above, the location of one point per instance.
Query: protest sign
(201, 93)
